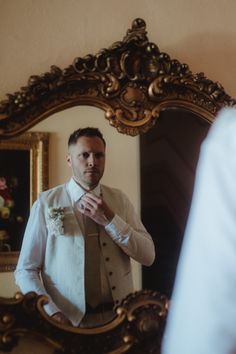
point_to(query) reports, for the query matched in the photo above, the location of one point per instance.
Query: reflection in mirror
(23, 175)
(167, 178)
(121, 153)
(14, 196)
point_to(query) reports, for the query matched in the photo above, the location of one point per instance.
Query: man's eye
(99, 155)
(84, 155)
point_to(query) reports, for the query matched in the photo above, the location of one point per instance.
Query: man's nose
(91, 160)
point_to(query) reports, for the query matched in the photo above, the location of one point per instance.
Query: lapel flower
(56, 216)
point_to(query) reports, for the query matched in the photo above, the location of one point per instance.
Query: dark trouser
(97, 316)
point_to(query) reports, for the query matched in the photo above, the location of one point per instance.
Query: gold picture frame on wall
(20, 184)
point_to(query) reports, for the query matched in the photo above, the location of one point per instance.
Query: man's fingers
(90, 203)
(91, 197)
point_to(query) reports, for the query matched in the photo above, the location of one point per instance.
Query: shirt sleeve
(27, 274)
(131, 235)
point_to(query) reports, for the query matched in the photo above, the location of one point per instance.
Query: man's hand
(60, 317)
(95, 208)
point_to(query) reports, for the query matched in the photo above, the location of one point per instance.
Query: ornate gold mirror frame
(133, 82)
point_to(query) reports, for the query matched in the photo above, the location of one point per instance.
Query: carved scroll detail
(138, 327)
(132, 81)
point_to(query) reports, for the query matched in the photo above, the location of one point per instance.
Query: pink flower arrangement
(6, 201)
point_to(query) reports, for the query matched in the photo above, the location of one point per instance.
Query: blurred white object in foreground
(202, 318)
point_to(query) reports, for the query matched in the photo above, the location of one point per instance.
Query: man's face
(87, 161)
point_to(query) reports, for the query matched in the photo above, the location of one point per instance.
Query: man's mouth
(91, 171)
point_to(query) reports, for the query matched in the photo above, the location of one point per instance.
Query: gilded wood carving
(138, 327)
(132, 81)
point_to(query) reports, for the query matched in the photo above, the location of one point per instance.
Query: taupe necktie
(92, 263)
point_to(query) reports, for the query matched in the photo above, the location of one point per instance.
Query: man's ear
(68, 159)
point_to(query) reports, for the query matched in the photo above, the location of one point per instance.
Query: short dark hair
(89, 132)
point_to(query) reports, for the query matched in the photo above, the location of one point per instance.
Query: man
(79, 240)
(202, 317)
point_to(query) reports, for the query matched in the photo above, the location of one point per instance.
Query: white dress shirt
(202, 317)
(129, 234)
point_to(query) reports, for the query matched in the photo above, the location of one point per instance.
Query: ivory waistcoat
(63, 271)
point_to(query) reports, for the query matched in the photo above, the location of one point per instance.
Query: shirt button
(113, 288)
(104, 244)
(107, 259)
(110, 273)
(117, 302)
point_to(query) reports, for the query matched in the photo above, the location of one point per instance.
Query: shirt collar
(76, 191)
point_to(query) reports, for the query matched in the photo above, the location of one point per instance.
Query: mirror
(135, 85)
(116, 174)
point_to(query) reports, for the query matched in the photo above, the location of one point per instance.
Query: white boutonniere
(56, 216)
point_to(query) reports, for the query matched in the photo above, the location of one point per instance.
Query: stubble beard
(89, 182)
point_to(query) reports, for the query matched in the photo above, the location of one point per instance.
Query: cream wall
(36, 34)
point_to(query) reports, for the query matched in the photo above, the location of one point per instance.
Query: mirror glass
(169, 155)
(14, 197)
(23, 175)
(122, 154)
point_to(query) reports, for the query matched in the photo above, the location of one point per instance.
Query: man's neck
(85, 188)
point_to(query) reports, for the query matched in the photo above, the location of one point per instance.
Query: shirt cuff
(51, 308)
(116, 227)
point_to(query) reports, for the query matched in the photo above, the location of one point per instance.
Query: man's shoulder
(52, 192)
(112, 192)
(110, 189)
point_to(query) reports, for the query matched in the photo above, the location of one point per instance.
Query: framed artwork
(23, 175)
